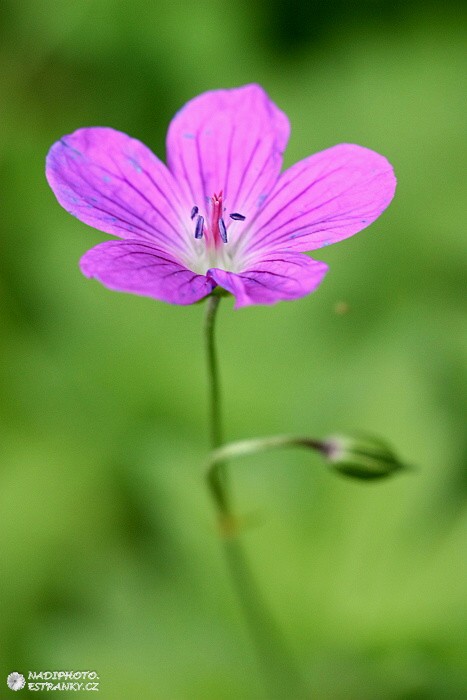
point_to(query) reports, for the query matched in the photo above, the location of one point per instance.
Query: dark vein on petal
(123, 178)
(229, 161)
(118, 204)
(246, 168)
(160, 236)
(200, 166)
(186, 176)
(257, 241)
(164, 261)
(140, 267)
(161, 191)
(268, 272)
(248, 230)
(148, 201)
(287, 261)
(337, 220)
(256, 281)
(245, 171)
(294, 199)
(118, 218)
(122, 205)
(139, 244)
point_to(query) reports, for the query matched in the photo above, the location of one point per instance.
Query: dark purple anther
(194, 211)
(199, 227)
(223, 230)
(237, 217)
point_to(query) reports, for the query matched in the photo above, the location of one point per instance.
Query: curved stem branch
(240, 448)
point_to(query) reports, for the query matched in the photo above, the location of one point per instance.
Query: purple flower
(220, 213)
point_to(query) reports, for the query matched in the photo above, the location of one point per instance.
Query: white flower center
(211, 246)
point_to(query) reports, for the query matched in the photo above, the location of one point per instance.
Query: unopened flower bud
(360, 457)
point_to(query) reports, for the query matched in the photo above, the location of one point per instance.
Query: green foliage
(110, 559)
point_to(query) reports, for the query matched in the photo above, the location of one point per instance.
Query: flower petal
(140, 268)
(323, 199)
(116, 184)
(277, 277)
(229, 140)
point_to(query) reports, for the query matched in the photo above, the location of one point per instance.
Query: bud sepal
(360, 456)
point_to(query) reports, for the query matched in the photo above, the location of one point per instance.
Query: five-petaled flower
(220, 213)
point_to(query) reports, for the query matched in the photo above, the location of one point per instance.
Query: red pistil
(215, 234)
(215, 238)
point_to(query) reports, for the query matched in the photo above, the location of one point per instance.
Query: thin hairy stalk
(281, 676)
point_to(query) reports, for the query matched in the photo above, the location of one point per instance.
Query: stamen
(194, 211)
(237, 217)
(199, 226)
(223, 230)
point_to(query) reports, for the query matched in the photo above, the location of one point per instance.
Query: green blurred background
(109, 554)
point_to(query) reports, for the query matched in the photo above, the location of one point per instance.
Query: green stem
(216, 481)
(215, 418)
(281, 676)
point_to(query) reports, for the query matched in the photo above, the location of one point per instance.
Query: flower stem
(281, 676)
(215, 421)
(216, 481)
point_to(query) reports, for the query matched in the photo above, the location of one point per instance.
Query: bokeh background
(109, 554)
